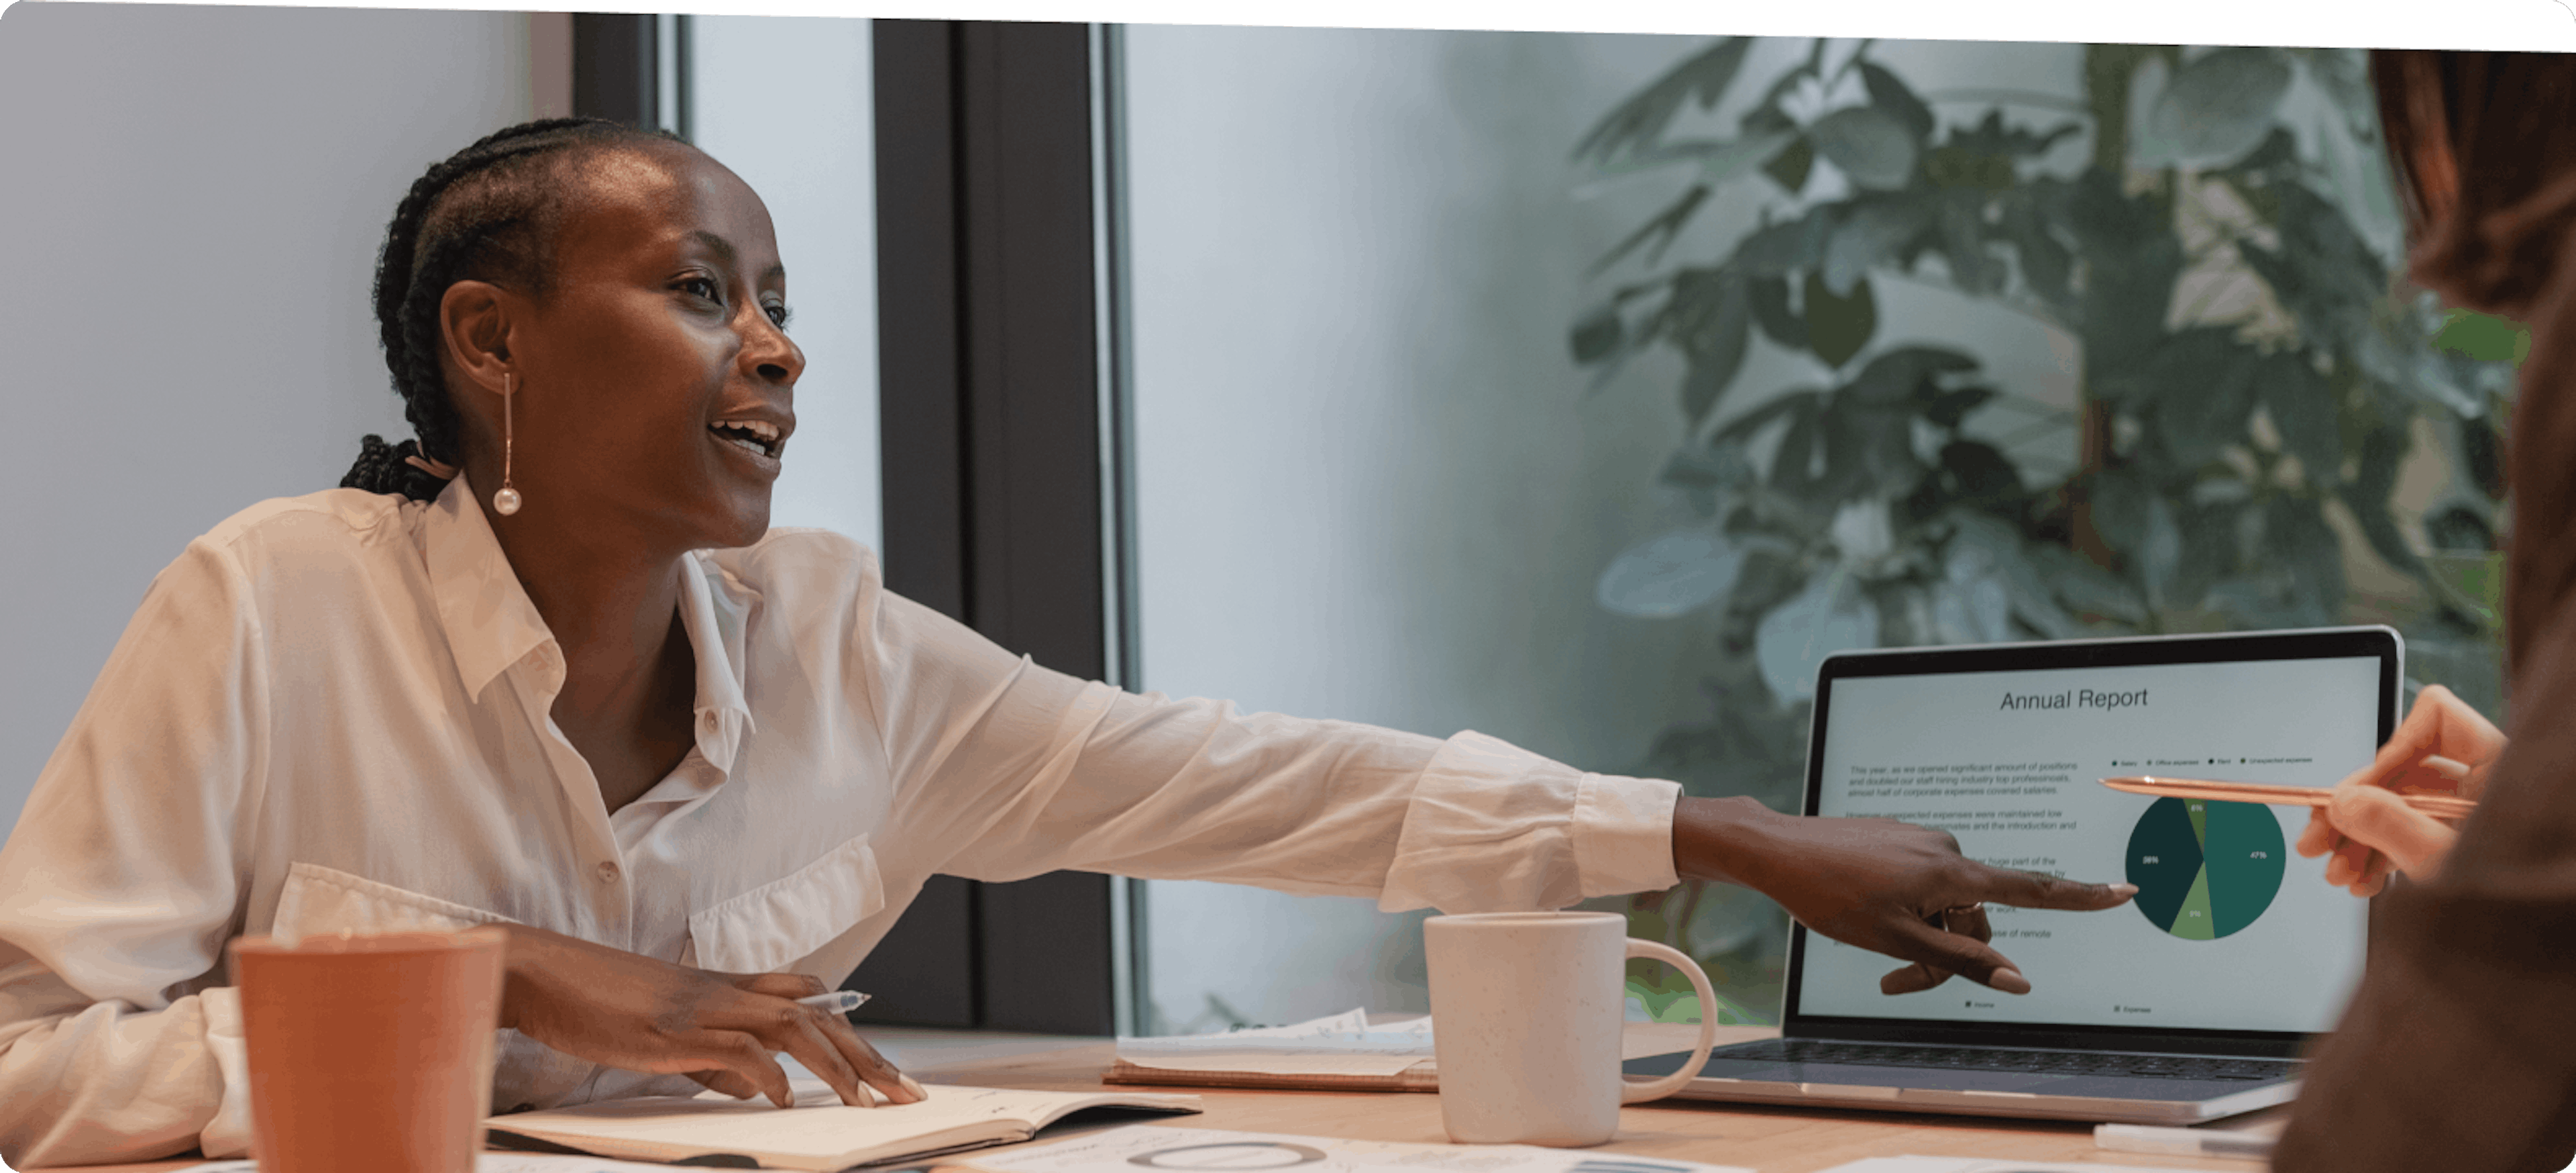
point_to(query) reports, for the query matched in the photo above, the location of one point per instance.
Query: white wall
(194, 203)
(787, 103)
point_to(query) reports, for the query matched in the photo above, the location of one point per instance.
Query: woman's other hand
(723, 1030)
(2369, 830)
(1893, 887)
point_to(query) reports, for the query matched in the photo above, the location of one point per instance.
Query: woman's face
(654, 384)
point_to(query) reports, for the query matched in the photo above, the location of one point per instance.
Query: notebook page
(819, 1126)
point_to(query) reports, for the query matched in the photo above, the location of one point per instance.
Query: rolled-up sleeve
(1006, 770)
(119, 885)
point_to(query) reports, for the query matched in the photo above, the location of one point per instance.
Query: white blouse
(332, 712)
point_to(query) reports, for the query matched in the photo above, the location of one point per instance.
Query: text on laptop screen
(2230, 930)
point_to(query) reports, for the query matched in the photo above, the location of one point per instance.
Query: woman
(2459, 1050)
(548, 667)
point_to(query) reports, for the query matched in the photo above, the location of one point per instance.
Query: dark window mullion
(989, 416)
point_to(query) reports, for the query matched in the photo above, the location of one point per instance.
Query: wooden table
(1770, 1139)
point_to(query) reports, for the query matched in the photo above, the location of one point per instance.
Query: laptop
(2191, 1002)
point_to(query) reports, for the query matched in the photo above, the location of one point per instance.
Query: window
(1587, 390)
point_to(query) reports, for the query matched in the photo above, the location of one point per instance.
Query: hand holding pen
(2399, 812)
(2444, 747)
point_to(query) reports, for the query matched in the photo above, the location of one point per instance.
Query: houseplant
(2254, 381)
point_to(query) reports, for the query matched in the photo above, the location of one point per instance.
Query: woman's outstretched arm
(1005, 770)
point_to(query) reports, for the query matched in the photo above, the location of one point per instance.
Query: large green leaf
(2374, 480)
(1641, 120)
(2201, 392)
(1712, 324)
(1873, 229)
(2483, 337)
(2119, 501)
(1831, 615)
(1870, 451)
(1902, 373)
(2087, 590)
(1962, 225)
(2217, 108)
(1868, 145)
(2046, 265)
(2304, 411)
(1838, 327)
(1771, 311)
(1890, 93)
(1972, 475)
(2297, 538)
(1948, 407)
(1669, 575)
(2159, 557)
(2131, 260)
(1776, 250)
(1598, 335)
(2326, 275)
(1791, 165)
(1982, 546)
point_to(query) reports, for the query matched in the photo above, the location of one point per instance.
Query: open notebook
(820, 1133)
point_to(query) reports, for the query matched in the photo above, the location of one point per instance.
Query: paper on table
(1913, 1164)
(489, 1163)
(817, 1122)
(1192, 1150)
(1343, 1044)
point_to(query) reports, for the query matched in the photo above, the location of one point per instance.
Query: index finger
(1996, 885)
(879, 1072)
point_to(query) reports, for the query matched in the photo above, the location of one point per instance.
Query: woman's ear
(476, 320)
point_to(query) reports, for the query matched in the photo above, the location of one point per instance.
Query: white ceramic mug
(1527, 1010)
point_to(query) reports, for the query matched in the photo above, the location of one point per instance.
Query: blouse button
(607, 872)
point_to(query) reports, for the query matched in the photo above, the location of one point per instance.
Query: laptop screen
(2231, 930)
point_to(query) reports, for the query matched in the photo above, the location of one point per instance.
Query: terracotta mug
(371, 1051)
(1527, 1009)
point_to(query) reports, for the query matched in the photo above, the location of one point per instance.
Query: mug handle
(1630, 1093)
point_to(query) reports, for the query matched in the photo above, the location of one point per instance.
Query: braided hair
(486, 213)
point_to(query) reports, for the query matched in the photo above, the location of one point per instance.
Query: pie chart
(2205, 870)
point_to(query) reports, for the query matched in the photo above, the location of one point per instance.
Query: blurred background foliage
(2253, 376)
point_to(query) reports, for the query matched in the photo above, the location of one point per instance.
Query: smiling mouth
(753, 436)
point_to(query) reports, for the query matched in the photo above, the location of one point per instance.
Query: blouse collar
(491, 623)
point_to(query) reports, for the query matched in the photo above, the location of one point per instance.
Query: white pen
(838, 1001)
(2182, 1142)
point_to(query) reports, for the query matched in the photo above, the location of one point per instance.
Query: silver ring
(1964, 909)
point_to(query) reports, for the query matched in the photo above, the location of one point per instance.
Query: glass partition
(1586, 390)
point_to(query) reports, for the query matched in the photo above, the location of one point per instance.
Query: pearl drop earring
(506, 502)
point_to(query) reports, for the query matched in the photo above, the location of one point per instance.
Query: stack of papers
(1345, 1051)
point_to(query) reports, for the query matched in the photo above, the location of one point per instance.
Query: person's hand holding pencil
(2442, 747)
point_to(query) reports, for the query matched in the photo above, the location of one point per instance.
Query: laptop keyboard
(2004, 1059)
